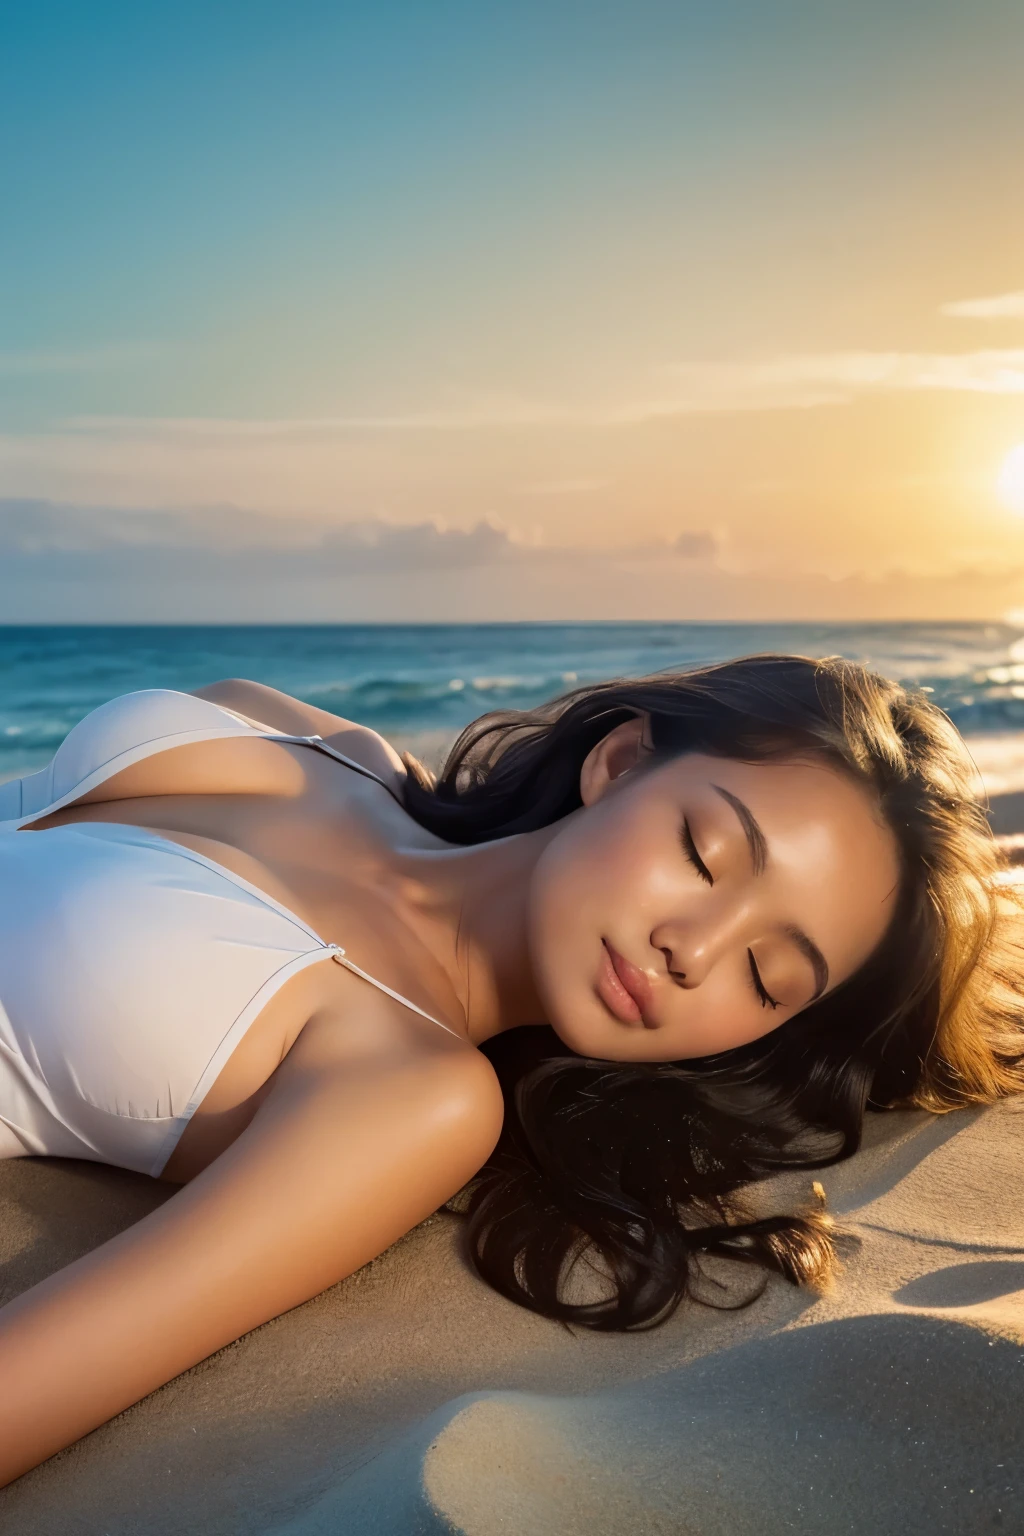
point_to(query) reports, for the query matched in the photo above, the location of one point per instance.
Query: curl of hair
(636, 1169)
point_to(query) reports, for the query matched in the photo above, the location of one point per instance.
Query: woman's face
(695, 905)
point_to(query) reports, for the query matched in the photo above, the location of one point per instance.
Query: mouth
(622, 987)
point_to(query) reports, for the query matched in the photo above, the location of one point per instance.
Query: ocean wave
(980, 700)
(405, 680)
(26, 734)
(405, 700)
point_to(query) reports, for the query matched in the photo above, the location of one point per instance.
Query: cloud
(31, 527)
(790, 381)
(225, 564)
(695, 546)
(138, 586)
(468, 417)
(801, 380)
(1000, 306)
(446, 460)
(148, 538)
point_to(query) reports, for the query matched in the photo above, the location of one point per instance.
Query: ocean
(419, 684)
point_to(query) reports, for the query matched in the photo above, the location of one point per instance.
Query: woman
(734, 905)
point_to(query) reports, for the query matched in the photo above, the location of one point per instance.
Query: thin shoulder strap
(339, 954)
(323, 746)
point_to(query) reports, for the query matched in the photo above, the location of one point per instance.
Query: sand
(411, 1399)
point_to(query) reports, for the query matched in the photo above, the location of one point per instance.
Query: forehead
(779, 781)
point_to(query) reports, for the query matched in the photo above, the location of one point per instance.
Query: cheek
(561, 899)
(719, 1015)
(604, 872)
(580, 887)
(577, 867)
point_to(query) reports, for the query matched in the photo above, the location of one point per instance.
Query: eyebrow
(759, 858)
(751, 831)
(807, 947)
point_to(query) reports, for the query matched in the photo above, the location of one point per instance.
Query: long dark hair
(636, 1168)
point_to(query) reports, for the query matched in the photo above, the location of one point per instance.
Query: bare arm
(335, 1166)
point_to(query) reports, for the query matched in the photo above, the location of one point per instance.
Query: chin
(583, 1034)
(565, 1021)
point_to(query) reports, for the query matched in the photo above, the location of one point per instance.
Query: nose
(690, 949)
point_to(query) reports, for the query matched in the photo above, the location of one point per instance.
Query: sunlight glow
(1010, 484)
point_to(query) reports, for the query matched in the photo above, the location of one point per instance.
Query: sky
(548, 310)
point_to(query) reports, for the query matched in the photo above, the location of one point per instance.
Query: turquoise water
(418, 684)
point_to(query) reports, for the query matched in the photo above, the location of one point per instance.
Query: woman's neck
(470, 908)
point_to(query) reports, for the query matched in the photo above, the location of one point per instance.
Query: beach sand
(411, 1399)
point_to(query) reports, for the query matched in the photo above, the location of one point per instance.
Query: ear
(614, 755)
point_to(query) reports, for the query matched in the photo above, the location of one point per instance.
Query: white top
(130, 965)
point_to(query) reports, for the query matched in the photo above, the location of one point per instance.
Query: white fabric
(130, 965)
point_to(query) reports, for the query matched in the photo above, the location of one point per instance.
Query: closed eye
(690, 849)
(767, 1001)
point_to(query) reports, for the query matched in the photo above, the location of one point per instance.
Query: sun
(1010, 484)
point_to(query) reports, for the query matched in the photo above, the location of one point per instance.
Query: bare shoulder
(398, 1059)
(264, 705)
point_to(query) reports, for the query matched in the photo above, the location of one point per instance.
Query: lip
(622, 987)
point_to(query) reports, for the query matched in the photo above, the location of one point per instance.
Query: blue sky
(460, 262)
